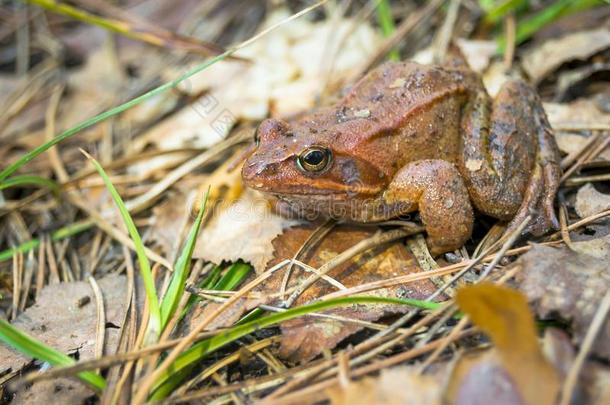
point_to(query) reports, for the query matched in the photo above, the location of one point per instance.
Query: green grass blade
(154, 323)
(207, 283)
(211, 279)
(174, 375)
(487, 5)
(500, 9)
(181, 269)
(386, 23)
(24, 181)
(59, 234)
(528, 27)
(250, 316)
(34, 348)
(234, 275)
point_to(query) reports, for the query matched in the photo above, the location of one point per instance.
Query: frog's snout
(254, 173)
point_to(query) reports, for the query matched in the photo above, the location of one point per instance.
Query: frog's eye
(314, 159)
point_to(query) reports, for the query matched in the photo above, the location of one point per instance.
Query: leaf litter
(287, 73)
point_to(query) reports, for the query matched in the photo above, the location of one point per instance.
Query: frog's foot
(437, 190)
(543, 185)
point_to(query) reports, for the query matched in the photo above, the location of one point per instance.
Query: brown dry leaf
(504, 315)
(589, 201)
(581, 113)
(599, 387)
(306, 337)
(92, 88)
(57, 391)
(478, 53)
(64, 317)
(570, 142)
(570, 283)
(551, 54)
(479, 378)
(394, 386)
(244, 230)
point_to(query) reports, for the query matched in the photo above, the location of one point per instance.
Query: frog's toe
(538, 201)
(552, 178)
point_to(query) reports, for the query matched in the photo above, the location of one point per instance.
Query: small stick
(509, 51)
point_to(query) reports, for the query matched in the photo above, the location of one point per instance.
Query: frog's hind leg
(437, 190)
(510, 160)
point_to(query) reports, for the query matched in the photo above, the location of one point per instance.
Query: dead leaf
(92, 88)
(478, 378)
(59, 321)
(558, 349)
(289, 68)
(581, 113)
(551, 54)
(394, 386)
(569, 142)
(478, 53)
(494, 78)
(244, 231)
(599, 388)
(56, 391)
(306, 337)
(570, 283)
(504, 315)
(589, 201)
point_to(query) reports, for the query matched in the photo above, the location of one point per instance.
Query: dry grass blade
(100, 324)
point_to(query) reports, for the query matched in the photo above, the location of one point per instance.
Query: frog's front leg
(436, 189)
(510, 161)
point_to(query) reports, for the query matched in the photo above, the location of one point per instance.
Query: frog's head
(306, 159)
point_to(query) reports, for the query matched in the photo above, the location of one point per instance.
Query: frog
(410, 137)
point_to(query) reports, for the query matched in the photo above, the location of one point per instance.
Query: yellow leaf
(503, 314)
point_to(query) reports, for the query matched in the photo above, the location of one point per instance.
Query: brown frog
(410, 137)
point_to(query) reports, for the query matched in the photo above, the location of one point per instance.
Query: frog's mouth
(323, 195)
(334, 190)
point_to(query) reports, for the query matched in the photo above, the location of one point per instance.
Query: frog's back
(400, 88)
(410, 111)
